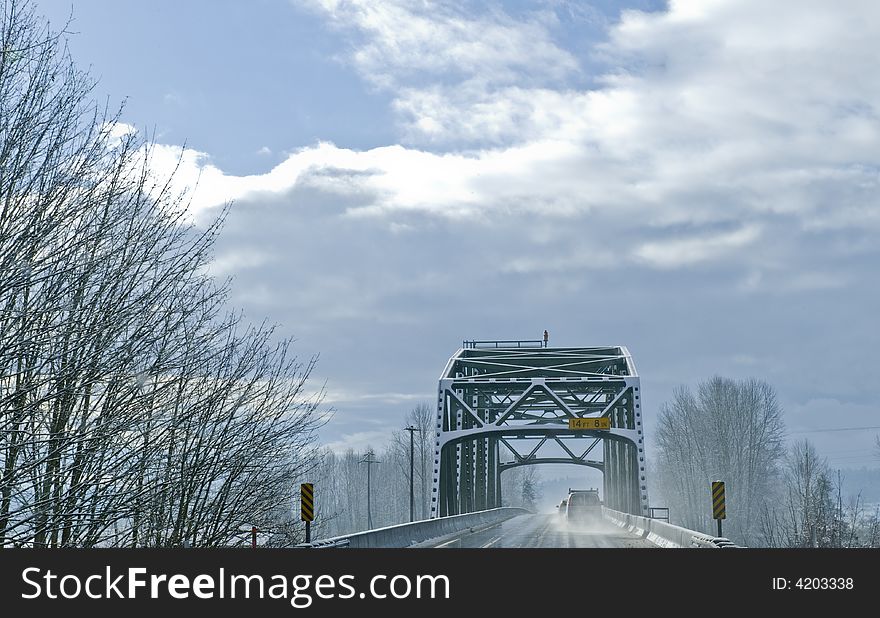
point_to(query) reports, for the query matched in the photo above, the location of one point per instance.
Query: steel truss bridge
(503, 404)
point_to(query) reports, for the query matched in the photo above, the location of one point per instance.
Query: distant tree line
(776, 496)
(136, 408)
(341, 481)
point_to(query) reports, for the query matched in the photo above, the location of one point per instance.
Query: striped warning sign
(307, 499)
(718, 510)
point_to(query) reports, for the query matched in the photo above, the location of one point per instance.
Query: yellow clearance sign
(307, 498)
(583, 424)
(718, 510)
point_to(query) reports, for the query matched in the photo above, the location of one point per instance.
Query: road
(543, 530)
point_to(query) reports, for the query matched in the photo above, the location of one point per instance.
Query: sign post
(718, 510)
(307, 507)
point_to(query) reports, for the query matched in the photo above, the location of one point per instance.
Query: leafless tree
(341, 481)
(810, 510)
(729, 430)
(530, 491)
(422, 418)
(134, 408)
(805, 516)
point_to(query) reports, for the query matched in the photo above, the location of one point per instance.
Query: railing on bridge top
(427, 533)
(503, 343)
(409, 534)
(664, 534)
(660, 512)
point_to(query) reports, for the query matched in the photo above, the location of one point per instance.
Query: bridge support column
(635, 491)
(449, 481)
(492, 473)
(606, 476)
(480, 502)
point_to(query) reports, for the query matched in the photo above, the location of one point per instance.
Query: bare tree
(134, 408)
(730, 430)
(422, 418)
(810, 510)
(530, 491)
(341, 480)
(804, 517)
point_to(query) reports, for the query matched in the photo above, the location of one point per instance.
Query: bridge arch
(493, 395)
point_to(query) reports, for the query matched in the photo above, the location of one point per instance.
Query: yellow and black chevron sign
(718, 511)
(307, 498)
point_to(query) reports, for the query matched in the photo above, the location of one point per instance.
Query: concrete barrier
(663, 534)
(404, 535)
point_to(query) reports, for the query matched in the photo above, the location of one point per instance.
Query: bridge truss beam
(503, 407)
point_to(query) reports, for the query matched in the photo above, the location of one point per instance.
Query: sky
(696, 180)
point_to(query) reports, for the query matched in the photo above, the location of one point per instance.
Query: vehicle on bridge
(583, 505)
(560, 508)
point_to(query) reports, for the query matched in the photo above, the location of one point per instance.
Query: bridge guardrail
(663, 534)
(404, 535)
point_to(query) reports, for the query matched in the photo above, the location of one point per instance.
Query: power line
(837, 429)
(849, 451)
(844, 457)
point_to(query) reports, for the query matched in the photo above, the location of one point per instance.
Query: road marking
(491, 543)
(448, 543)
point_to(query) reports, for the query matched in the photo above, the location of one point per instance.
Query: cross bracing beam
(533, 457)
(590, 463)
(490, 398)
(535, 431)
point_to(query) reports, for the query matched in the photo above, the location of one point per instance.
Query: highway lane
(545, 530)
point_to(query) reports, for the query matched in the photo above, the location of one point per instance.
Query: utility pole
(368, 459)
(839, 512)
(412, 503)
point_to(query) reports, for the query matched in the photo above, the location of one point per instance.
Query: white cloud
(360, 441)
(455, 73)
(711, 201)
(407, 38)
(237, 260)
(334, 397)
(678, 252)
(711, 115)
(115, 132)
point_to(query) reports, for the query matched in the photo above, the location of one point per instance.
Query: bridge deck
(544, 530)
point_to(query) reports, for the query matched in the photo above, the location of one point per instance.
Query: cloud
(704, 117)
(334, 397)
(683, 251)
(360, 441)
(115, 132)
(700, 183)
(237, 260)
(458, 74)
(407, 39)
